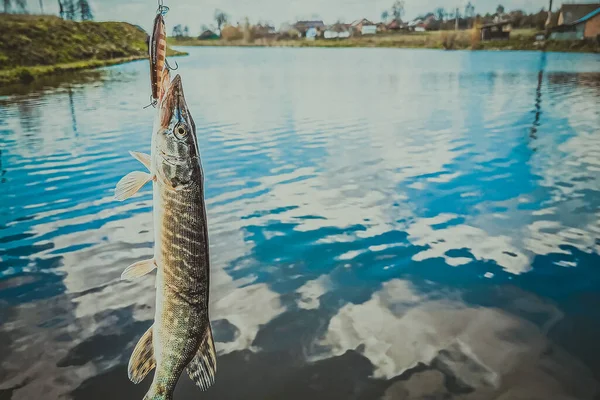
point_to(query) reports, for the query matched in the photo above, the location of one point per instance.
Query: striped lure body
(158, 54)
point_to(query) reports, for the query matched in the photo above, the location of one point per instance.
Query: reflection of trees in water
(538, 97)
(72, 109)
(29, 116)
(2, 170)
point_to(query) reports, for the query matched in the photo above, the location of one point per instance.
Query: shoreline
(28, 74)
(35, 46)
(444, 40)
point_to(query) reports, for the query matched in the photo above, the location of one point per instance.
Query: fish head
(176, 146)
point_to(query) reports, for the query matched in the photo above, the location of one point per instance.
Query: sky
(196, 13)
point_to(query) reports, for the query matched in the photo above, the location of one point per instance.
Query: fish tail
(203, 367)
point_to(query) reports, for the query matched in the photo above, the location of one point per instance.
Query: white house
(368, 29)
(311, 33)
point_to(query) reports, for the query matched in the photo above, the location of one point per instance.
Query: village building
(208, 35)
(577, 22)
(315, 27)
(364, 27)
(337, 31)
(496, 31)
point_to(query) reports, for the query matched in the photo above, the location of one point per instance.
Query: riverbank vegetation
(522, 39)
(454, 29)
(36, 45)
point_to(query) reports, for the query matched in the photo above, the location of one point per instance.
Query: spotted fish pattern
(181, 336)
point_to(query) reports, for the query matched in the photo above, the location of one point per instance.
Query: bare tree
(21, 6)
(85, 10)
(440, 13)
(221, 18)
(69, 9)
(186, 31)
(178, 31)
(469, 10)
(41, 6)
(398, 10)
(385, 15)
(7, 5)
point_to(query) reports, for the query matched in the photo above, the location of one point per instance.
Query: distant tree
(177, 31)
(500, 9)
(440, 13)
(21, 6)
(398, 10)
(6, 4)
(85, 10)
(385, 15)
(203, 28)
(186, 31)
(221, 18)
(69, 9)
(41, 6)
(469, 10)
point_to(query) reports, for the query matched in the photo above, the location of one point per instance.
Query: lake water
(384, 224)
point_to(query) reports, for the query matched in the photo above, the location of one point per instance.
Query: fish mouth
(175, 91)
(173, 101)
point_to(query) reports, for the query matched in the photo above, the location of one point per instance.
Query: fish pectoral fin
(143, 158)
(203, 367)
(130, 184)
(138, 269)
(142, 359)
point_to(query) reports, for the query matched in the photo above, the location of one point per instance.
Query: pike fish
(158, 54)
(181, 337)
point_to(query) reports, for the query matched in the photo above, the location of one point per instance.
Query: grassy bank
(33, 45)
(450, 40)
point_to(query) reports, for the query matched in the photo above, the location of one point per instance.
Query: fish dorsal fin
(143, 158)
(203, 367)
(138, 269)
(130, 184)
(142, 360)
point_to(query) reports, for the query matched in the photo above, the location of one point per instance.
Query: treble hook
(152, 103)
(169, 66)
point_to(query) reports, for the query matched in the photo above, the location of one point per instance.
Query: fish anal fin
(143, 158)
(203, 367)
(130, 184)
(142, 359)
(138, 269)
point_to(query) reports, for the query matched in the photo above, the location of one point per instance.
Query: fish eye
(180, 130)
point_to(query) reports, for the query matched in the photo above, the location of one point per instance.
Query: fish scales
(181, 337)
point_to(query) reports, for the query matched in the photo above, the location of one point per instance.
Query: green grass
(34, 45)
(521, 39)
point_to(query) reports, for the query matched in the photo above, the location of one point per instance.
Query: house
(570, 13)
(497, 30)
(336, 31)
(584, 27)
(208, 35)
(263, 30)
(396, 25)
(312, 33)
(364, 27)
(304, 26)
